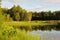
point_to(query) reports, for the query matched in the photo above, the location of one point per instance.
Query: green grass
(32, 23)
(10, 33)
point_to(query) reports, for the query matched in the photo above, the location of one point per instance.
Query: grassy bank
(32, 23)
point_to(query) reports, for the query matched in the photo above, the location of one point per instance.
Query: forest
(16, 13)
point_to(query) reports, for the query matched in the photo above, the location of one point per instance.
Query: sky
(33, 5)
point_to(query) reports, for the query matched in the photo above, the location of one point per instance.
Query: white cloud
(18, 1)
(54, 1)
(43, 4)
(23, 1)
(46, 7)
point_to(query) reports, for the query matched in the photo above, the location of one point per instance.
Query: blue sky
(33, 5)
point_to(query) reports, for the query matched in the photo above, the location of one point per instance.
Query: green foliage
(1, 17)
(18, 14)
(28, 16)
(12, 33)
(8, 32)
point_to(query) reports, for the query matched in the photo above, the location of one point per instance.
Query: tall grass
(32, 23)
(11, 33)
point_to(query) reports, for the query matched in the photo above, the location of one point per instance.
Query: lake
(49, 35)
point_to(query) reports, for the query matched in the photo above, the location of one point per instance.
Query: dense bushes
(11, 33)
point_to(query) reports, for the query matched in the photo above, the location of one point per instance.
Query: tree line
(46, 15)
(16, 13)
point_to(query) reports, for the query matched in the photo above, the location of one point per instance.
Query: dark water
(49, 35)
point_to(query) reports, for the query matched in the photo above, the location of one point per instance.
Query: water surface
(49, 35)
